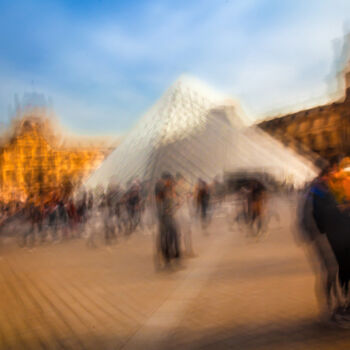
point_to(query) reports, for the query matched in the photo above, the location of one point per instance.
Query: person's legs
(27, 234)
(42, 232)
(344, 283)
(187, 233)
(53, 229)
(326, 270)
(342, 275)
(204, 213)
(105, 225)
(158, 255)
(130, 219)
(165, 242)
(174, 237)
(119, 222)
(34, 233)
(112, 227)
(138, 221)
(106, 232)
(91, 228)
(259, 221)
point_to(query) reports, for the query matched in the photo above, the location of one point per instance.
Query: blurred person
(104, 216)
(217, 195)
(44, 208)
(142, 203)
(167, 239)
(133, 206)
(340, 182)
(257, 206)
(82, 211)
(107, 210)
(95, 224)
(183, 196)
(90, 201)
(148, 218)
(16, 222)
(39, 217)
(63, 219)
(53, 218)
(332, 219)
(202, 202)
(72, 218)
(322, 257)
(243, 200)
(120, 210)
(34, 214)
(111, 198)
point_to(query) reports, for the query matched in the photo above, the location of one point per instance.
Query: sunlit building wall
(324, 130)
(35, 161)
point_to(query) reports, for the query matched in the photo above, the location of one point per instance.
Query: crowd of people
(169, 205)
(167, 209)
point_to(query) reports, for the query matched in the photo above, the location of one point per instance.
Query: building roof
(35, 120)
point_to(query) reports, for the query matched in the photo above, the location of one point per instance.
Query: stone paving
(238, 293)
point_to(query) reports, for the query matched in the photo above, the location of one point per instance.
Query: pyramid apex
(194, 84)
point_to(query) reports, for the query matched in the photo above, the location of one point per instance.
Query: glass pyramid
(199, 133)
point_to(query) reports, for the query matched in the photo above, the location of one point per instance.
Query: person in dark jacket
(322, 257)
(334, 222)
(202, 202)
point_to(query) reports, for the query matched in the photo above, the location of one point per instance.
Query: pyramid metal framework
(199, 133)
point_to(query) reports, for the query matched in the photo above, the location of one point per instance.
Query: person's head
(323, 166)
(178, 176)
(167, 178)
(334, 163)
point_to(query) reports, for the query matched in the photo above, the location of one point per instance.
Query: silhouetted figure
(333, 219)
(322, 256)
(183, 196)
(202, 201)
(256, 205)
(133, 206)
(168, 239)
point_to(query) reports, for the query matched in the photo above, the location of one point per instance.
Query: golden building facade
(35, 161)
(322, 130)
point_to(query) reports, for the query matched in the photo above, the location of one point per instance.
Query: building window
(326, 139)
(312, 142)
(314, 123)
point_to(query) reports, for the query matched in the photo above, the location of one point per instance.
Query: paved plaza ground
(237, 293)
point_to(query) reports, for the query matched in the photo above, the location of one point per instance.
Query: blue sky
(104, 63)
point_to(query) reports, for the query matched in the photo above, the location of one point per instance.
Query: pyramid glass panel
(199, 133)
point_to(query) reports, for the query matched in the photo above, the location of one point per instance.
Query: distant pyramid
(195, 131)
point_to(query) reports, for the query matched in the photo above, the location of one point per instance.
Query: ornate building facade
(36, 160)
(322, 130)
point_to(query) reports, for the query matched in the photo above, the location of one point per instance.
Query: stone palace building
(322, 130)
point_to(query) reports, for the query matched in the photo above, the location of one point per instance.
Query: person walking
(168, 240)
(202, 202)
(183, 196)
(321, 255)
(332, 219)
